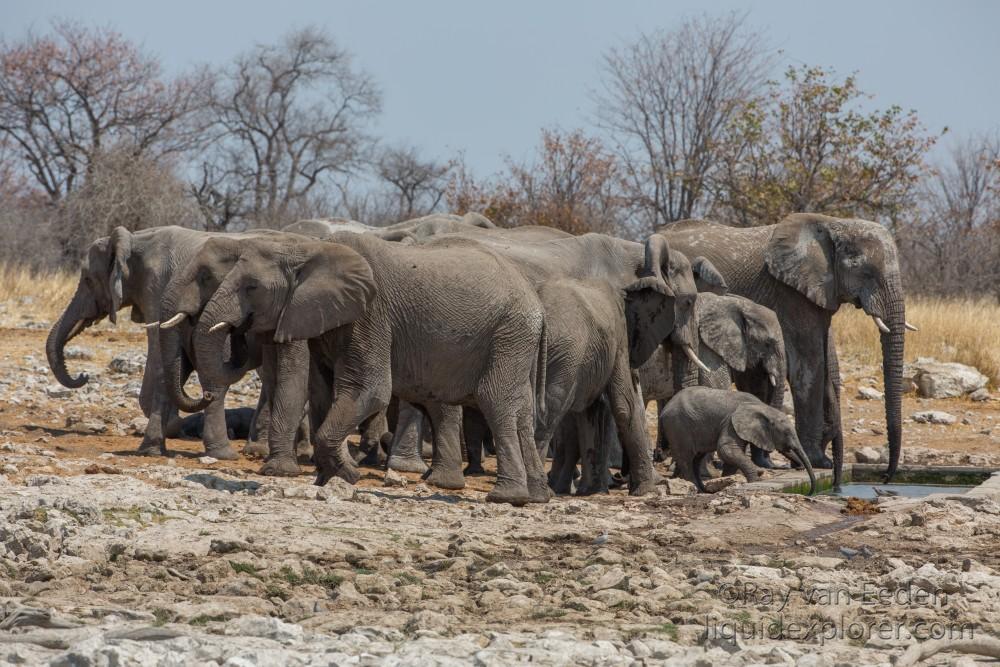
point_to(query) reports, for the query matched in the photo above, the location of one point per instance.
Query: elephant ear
(751, 424)
(707, 278)
(333, 286)
(720, 329)
(801, 255)
(120, 244)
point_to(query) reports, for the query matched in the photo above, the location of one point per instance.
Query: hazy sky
(485, 77)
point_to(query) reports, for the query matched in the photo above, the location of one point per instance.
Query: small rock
(128, 364)
(9, 469)
(934, 417)
(228, 546)
(77, 352)
(868, 455)
(679, 487)
(393, 478)
(207, 460)
(717, 484)
(935, 379)
(138, 425)
(980, 395)
(57, 391)
(339, 489)
(607, 556)
(869, 394)
(613, 578)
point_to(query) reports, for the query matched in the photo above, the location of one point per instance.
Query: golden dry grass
(38, 294)
(966, 331)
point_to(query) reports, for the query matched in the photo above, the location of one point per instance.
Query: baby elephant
(700, 420)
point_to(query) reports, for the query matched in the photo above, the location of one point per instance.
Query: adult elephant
(436, 326)
(804, 268)
(741, 343)
(131, 269)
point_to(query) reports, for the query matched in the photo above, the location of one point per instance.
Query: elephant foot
(617, 480)
(401, 464)
(539, 492)
(280, 466)
(445, 479)
(642, 488)
(256, 449)
(509, 492)
(592, 490)
(152, 447)
(474, 469)
(222, 452)
(348, 473)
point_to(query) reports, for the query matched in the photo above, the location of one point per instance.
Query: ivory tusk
(881, 325)
(910, 327)
(152, 325)
(173, 321)
(695, 360)
(218, 325)
(774, 383)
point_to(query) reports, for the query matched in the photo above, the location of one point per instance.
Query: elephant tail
(540, 376)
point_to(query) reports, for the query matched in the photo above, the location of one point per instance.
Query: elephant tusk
(217, 326)
(152, 325)
(881, 325)
(910, 327)
(695, 360)
(770, 376)
(173, 321)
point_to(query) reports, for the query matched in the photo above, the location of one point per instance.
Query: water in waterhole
(867, 490)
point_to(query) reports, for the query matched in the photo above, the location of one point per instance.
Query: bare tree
(417, 185)
(950, 246)
(287, 117)
(67, 96)
(666, 101)
(573, 184)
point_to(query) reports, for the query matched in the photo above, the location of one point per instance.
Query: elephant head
(282, 291)
(660, 305)
(747, 336)
(771, 430)
(101, 292)
(833, 261)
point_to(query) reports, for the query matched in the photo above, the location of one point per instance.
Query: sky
(484, 78)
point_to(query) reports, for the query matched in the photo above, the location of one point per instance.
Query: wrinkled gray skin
(588, 357)
(239, 423)
(452, 324)
(127, 269)
(804, 268)
(741, 342)
(659, 289)
(702, 420)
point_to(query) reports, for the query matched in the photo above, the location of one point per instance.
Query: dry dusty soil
(108, 558)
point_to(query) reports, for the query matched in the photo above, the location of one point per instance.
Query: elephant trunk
(72, 321)
(796, 452)
(219, 328)
(892, 369)
(171, 352)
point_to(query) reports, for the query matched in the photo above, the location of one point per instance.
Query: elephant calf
(700, 420)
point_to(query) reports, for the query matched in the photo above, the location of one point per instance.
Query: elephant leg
(697, 466)
(834, 426)
(512, 480)
(732, 454)
(446, 463)
(303, 438)
(257, 445)
(593, 449)
(215, 435)
(538, 483)
(629, 414)
(474, 432)
(371, 436)
(566, 454)
(407, 440)
(288, 399)
(155, 404)
(808, 380)
(662, 446)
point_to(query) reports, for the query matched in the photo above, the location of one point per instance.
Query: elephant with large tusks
(804, 268)
(445, 325)
(132, 269)
(702, 420)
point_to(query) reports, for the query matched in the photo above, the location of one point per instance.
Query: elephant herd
(534, 339)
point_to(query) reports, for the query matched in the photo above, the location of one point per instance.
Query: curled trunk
(171, 353)
(72, 321)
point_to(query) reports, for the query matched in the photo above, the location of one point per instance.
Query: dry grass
(950, 330)
(41, 295)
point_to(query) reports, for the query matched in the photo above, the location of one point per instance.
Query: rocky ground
(107, 558)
